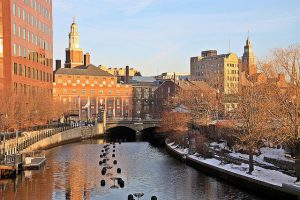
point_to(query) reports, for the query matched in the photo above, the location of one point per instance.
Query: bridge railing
(13, 146)
(115, 120)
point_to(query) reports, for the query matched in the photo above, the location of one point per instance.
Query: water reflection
(73, 172)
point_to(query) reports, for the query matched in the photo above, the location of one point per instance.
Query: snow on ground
(265, 175)
(274, 153)
(278, 154)
(265, 152)
(173, 145)
(216, 145)
(270, 176)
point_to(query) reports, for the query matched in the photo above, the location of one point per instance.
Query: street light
(1, 114)
(218, 91)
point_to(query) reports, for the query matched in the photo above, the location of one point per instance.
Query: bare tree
(287, 62)
(174, 122)
(253, 120)
(198, 100)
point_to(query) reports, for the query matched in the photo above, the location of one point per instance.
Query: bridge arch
(123, 133)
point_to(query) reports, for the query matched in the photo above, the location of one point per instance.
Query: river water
(72, 172)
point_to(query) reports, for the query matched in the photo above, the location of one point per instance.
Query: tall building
(26, 54)
(74, 54)
(248, 59)
(218, 71)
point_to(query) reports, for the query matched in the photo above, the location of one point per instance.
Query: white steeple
(74, 36)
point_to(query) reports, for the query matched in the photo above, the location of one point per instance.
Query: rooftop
(144, 79)
(89, 70)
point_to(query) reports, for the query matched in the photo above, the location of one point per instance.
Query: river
(72, 172)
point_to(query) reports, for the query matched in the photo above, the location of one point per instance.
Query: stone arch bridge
(134, 124)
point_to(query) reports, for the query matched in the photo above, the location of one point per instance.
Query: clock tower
(74, 54)
(248, 59)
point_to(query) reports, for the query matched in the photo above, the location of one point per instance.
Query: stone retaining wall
(68, 136)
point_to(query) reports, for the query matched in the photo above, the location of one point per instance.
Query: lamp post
(1, 114)
(17, 135)
(4, 137)
(218, 92)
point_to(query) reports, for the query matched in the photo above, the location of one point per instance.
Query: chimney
(127, 75)
(57, 64)
(87, 59)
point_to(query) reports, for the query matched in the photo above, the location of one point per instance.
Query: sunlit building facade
(87, 90)
(26, 50)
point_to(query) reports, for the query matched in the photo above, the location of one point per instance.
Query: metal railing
(15, 145)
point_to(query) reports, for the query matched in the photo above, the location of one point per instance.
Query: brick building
(143, 97)
(26, 54)
(169, 88)
(88, 90)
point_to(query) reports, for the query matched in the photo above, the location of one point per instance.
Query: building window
(28, 18)
(118, 92)
(15, 68)
(92, 91)
(24, 15)
(64, 91)
(14, 9)
(19, 12)
(109, 92)
(19, 31)
(24, 34)
(15, 29)
(74, 91)
(20, 69)
(15, 50)
(29, 72)
(101, 92)
(83, 91)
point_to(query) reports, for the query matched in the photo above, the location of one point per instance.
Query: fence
(13, 146)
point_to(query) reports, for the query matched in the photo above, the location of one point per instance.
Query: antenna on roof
(174, 77)
(74, 18)
(229, 46)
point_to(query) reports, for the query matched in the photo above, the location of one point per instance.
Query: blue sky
(156, 36)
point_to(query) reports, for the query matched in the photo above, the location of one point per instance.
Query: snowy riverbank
(264, 179)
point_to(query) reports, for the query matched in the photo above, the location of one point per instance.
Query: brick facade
(77, 86)
(26, 58)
